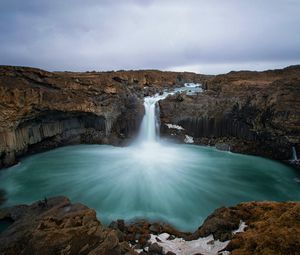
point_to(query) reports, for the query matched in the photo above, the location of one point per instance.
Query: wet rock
(155, 249)
(179, 98)
(170, 253)
(223, 146)
(155, 228)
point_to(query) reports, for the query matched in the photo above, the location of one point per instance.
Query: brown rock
(58, 228)
(155, 249)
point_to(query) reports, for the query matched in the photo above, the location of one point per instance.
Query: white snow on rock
(188, 139)
(241, 228)
(174, 126)
(206, 245)
(192, 85)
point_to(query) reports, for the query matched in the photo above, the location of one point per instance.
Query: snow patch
(192, 85)
(188, 139)
(241, 228)
(203, 245)
(206, 245)
(175, 126)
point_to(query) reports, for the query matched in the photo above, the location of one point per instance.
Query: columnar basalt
(249, 112)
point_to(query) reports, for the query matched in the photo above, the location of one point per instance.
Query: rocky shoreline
(56, 226)
(247, 112)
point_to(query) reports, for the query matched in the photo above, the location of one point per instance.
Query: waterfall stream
(149, 132)
(294, 154)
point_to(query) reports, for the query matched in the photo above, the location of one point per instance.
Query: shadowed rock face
(40, 110)
(251, 112)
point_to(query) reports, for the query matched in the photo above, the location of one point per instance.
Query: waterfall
(149, 128)
(149, 131)
(294, 154)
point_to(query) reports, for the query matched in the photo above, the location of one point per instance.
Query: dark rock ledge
(60, 227)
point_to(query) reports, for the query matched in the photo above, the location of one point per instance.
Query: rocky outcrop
(59, 227)
(272, 227)
(250, 112)
(40, 110)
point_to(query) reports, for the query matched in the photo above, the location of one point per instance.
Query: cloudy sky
(205, 36)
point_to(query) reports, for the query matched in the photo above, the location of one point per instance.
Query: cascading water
(149, 132)
(149, 127)
(178, 184)
(148, 149)
(294, 154)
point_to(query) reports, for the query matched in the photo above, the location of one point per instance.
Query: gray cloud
(198, 35)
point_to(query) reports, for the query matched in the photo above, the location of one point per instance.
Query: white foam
(188, 139)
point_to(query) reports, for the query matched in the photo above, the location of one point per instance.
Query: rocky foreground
(249, 112)
(59, 227)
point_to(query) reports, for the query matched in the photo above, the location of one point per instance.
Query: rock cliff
(249, 112)
(40, 110)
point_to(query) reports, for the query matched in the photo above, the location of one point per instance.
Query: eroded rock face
(249, 112)
(40, 110)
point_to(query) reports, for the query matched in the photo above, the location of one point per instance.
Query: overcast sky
(205, 36)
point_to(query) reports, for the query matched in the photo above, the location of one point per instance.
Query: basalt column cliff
(41, 110)
(250, 112)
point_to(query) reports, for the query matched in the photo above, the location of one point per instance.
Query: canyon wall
(249, 112)
(41, 110)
